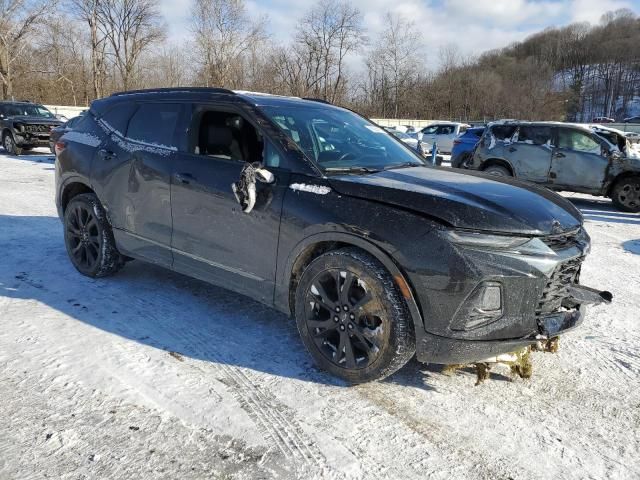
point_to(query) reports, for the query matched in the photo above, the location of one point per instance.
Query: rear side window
(87, 124)
(154, 123)
(477, 132)
(503, 132)
(117, 117)
(534, 135)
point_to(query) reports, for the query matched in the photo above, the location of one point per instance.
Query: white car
(443, 133)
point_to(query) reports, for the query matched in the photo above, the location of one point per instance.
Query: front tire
(10, 146)
(89, 238)
(352, 318)
(626, 194)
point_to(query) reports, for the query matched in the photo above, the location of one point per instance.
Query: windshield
(28, 110)
(339, 140)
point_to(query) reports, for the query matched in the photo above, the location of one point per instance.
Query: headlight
(527, 245)
(477, 239)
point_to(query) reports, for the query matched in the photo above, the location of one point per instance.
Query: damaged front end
(523, 296)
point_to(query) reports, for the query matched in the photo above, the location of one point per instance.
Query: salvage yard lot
(151, 374)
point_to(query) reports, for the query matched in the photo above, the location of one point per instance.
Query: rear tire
(352, 318)
(626, 194)
(497, 171)
(89, 238)
(10, 146)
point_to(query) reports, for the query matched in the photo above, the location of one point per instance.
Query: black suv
(25, 125)
(314, 210)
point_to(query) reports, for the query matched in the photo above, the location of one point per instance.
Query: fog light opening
(483, 306)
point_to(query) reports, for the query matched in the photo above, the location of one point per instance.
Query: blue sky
(473, 25)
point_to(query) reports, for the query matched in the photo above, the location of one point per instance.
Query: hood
(35, 120)
(466, 200)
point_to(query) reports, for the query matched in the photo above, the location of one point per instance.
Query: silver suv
(578, 158)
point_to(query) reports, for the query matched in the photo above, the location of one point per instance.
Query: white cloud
(591, 10)
(474, 26)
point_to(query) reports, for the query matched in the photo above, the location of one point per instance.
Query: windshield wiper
(403, 165)
(351, 170)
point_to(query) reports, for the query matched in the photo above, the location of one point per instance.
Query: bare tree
(329, 32)
(223, 33)
(87, 11)
(130, 26)
(395, 58)
(18, 19)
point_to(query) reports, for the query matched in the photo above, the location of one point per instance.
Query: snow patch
(303, 187)
(83, 138)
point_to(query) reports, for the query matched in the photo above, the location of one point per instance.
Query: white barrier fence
(68, 112)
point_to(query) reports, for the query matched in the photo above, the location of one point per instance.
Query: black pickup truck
(25, 125)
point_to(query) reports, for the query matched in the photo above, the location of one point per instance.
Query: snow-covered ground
(150, 374)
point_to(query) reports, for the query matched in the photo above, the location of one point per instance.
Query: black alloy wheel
(83, 237)
(344, 319)
(89, 238)
(351, 316)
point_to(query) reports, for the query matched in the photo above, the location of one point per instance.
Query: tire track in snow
(274, 420)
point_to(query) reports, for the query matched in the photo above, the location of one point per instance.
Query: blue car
(463, 147)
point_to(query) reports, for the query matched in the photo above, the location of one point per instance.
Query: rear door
(578, 161)
(530, 153)
(213, 239)
(134, 170)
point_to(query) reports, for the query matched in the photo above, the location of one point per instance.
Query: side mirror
(265, 176)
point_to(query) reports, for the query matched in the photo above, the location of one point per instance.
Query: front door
(213, 238)
(578, 161)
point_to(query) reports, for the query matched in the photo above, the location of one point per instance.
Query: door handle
(107, 154)
(560, 155)
(185, 178)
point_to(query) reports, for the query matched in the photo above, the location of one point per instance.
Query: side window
(534, 135)
(271, 155)
(430, 130)
(117, 118)
(154, 123)
(225, 135)
(87, 124)
(503, 132)
(578, 141)
(445, 130)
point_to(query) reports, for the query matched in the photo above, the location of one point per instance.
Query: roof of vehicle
(17, 102)
(542, 123)
(201, 93)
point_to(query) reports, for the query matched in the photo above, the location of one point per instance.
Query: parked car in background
(577, 158)
(603, 120)
(443, 133)
(463, 147)
(635, 119)
(25, 125)
(60, 130)
(313, 210)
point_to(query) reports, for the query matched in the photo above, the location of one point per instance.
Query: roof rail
(175, 89)
(320, 100)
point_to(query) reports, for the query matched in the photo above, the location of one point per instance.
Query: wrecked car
(25, 125)
(577, 158)
(315, 211)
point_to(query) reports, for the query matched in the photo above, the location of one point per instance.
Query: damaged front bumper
(444, 350)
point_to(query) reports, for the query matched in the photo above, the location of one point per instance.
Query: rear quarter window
(117, 117)
(155, 124)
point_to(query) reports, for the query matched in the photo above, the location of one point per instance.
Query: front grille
(556, 289)
(36, 128)
(562, 240)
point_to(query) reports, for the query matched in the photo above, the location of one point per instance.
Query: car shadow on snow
(598, 210)
(160, 308)
(37, 156)
(632, 246)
